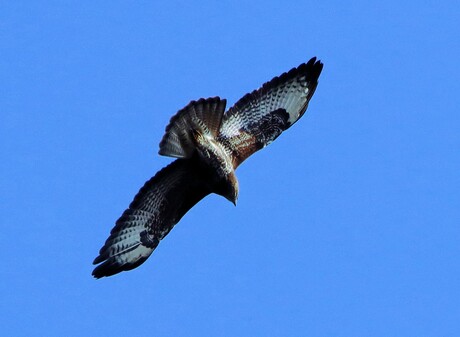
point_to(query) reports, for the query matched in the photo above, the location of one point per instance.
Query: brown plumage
(210, 145)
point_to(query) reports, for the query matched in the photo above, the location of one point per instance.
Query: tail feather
(204, 115)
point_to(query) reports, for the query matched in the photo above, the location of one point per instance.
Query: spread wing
(157, 207)
(260, 117)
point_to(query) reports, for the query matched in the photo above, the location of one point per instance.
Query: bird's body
(209, 145)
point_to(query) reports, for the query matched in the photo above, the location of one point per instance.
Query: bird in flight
(210, 143)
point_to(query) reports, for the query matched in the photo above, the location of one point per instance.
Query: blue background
(347, 225)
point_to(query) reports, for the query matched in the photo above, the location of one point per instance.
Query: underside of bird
(209, 144)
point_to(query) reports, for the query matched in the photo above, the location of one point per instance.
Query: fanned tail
(204, 115)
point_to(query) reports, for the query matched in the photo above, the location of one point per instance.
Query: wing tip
(98, 260)
(315, 67)
(100, 272)
(311, 69)
(111, 267)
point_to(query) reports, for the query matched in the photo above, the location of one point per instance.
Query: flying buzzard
(210, 145)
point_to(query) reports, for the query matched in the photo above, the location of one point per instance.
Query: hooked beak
(233, 201)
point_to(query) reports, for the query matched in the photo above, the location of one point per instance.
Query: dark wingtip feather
(312, 69)
(103, 270)
(112, 267)
(98, 259)
(315, 68)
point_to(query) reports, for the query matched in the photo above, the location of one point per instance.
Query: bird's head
(229, 188)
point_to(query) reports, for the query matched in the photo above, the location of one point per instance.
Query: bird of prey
(209, 144)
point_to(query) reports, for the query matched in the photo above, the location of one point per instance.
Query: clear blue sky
(347, 225)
